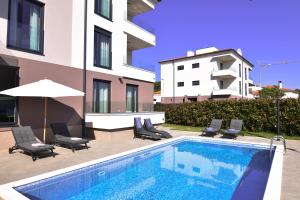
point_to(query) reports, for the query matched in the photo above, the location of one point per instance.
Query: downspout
(243, 76)
(84, 70)
(173, 82)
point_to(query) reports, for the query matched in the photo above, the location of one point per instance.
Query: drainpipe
(242, 73)
(84, 70)
(173, 82)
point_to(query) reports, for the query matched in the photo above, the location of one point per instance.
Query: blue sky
(266, 30)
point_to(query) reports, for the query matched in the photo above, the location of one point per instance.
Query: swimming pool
(185, 168)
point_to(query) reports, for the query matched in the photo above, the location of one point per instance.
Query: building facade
(86, 45)
(207, 74)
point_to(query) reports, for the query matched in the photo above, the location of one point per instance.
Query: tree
(271, 93)
(157, 86)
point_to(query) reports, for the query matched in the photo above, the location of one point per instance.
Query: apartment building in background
(206, 74)
(86, 45)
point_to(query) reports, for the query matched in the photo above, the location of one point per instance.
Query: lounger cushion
(69, 140)
(29, 147)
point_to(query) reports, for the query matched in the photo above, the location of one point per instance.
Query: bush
(258, 115)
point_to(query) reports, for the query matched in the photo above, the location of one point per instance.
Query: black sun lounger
(149, 127)
(235, 128)
(62, 137)
(140, 132)
(214, 128)
(26, 141)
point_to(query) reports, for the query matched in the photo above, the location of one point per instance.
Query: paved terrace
(18, 166)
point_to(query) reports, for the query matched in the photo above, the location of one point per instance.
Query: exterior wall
(57, 33)
(210, 64)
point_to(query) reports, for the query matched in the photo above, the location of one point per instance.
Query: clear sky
(265, 30)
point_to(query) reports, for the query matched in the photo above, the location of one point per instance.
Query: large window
(240, 87)
(25, 26)
(131, 98)
(104, 8)
(101, 96)
(102, 48)
(8, 105)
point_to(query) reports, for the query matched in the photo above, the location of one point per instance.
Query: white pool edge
(272, 192)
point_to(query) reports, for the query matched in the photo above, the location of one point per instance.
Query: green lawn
(247, 133)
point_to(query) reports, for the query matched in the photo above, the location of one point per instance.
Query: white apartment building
(84, 44)
(206, 74)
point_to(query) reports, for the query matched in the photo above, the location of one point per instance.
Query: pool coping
(272, 191)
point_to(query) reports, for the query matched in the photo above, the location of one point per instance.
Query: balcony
(129, 71)
(136, 7)
(226, 91)
(250, 81)
(225, 73)
(137, 37)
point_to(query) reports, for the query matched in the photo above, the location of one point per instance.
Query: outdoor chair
(140, 132)
(149, 127)
(63, 137)
(213, 129)
(26, 141)
(235, 128)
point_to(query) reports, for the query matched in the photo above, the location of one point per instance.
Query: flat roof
(209, 53)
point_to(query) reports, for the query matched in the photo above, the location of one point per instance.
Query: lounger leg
(10, 150)
(73, 149)
(34, 157)
(86, 146)
(53, 154)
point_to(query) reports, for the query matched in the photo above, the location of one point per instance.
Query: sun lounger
(149, 127)
(140, 132)
(62, 137)
(214, 128)
(234, 129)
(26, 141)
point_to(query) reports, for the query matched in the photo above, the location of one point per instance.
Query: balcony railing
(231, 90)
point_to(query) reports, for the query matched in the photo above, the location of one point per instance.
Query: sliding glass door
(131, 98)
(101, 96)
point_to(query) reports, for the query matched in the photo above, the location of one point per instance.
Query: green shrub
(258, 115)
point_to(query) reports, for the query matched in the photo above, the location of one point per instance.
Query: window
(101, 96)
(131, 98)
(8, 105)
(102, 48)
(195, 65)
(196, 83)
(180, 84)
(246, 90)
(221, 84)
(25, 26)
(104, 8)
(240, 87)
(240, 70)
(180, 67)
(246, 74)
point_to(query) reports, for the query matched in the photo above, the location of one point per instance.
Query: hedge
(258, 114)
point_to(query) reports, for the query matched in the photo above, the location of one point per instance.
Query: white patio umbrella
(43, 88)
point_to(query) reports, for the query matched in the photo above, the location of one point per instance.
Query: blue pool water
(187, 170)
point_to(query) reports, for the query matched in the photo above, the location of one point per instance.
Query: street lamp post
(278, 136)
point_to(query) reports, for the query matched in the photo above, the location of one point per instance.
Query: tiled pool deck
(18, 166)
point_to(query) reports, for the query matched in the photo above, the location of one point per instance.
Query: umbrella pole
(45, 118)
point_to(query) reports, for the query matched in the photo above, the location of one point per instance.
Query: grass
(246, 133)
